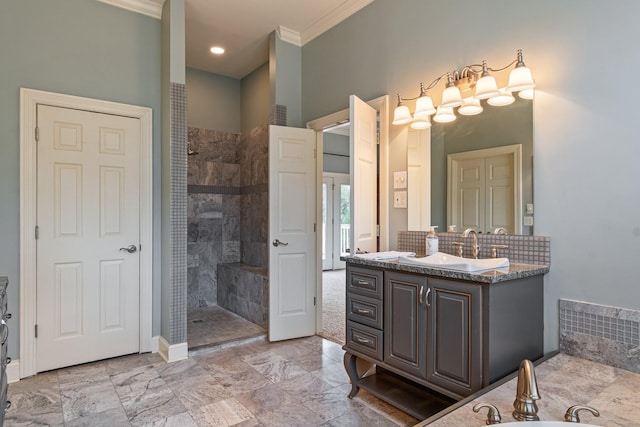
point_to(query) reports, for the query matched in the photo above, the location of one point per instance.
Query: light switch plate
(528, 221)
(529, 208)
(400, 179)
(399, 199)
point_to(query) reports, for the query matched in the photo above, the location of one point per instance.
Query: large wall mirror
(476, 171)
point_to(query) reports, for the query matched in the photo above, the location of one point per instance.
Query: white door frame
(29, 99)
(381, 104)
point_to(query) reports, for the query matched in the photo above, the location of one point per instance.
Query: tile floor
(292, 383)
(214, 325)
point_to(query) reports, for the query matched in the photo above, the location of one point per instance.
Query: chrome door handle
(277, 243)
(427, 297)
(131, 249)
(420, 295)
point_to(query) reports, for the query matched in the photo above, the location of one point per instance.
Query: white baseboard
(13, 371)
(173, 352)
(155, 344)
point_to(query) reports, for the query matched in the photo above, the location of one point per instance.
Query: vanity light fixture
(474, 77)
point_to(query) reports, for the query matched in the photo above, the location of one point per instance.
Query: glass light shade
(520, 79)
(424, 107)
(470, 107)
(421, 123)
(451, 97)
(444, 115)
(526, 94)
(401, 115)
(486, 87)
(505, 98)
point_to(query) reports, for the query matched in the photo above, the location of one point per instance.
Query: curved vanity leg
(350, 367)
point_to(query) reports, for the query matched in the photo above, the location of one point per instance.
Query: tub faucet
(476, 247)
(524, 407)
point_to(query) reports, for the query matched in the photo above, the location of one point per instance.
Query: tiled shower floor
(214, 325)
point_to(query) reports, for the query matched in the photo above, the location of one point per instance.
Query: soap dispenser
(431, 243)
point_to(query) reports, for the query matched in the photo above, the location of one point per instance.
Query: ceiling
(242, 27)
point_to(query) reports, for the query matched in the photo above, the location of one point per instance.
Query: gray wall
(285, 62)
(213, 101)
(255, 103)
(76, 47)
(587, 196)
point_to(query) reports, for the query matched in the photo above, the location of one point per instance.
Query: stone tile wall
(609, 335)
(214, 203)
(244, 290)
(253, 153)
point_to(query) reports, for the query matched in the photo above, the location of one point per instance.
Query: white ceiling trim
(332, 19)
(288, 35)
(152, 8)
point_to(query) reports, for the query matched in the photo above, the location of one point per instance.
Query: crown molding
(288, 35)
(152, 8)
(332, 19)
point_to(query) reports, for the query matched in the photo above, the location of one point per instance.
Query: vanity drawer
(364, 281)
(364, 339)
(364, 310)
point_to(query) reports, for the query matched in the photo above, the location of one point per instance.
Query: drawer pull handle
(362, 340)
(363, 311)
(420, 295)
(427, 297)
(363, 282)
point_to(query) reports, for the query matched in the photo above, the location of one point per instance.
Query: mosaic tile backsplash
(521, 249)
(605, 334)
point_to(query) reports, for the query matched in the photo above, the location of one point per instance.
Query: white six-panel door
(87, 210)
(292, 237)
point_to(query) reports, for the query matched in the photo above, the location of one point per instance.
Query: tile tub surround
(522, 249)
(609, 335)
(244, 290)
(289, 383)
(563, 381)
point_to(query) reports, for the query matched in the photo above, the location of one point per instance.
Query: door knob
(131, 249)
(277, 243)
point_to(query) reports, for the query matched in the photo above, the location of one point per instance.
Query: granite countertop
(563, 381)
(514, 271)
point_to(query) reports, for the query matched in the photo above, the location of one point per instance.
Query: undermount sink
(546, 424)
(452, 262)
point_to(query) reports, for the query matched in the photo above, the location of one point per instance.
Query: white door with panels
(485, 189)
(364, 175)
(88, 268)
(292, 235)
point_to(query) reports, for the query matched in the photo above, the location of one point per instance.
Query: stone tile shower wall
(254, 181)
(214, 201)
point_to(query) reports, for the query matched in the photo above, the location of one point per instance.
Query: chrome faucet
(500, 230)
(524, 407)
(476, 247)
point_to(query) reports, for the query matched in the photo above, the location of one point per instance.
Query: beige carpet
(333, 305)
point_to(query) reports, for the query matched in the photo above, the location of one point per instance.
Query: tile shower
(227, 226)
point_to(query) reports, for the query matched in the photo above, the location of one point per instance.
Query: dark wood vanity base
(430, 340)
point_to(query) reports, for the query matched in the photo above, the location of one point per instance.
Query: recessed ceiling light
(217, 50)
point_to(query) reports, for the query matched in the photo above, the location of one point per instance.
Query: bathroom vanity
(436, 335)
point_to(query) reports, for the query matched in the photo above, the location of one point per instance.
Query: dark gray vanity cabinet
(405, 322)
(435, 340)
(454, 335)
